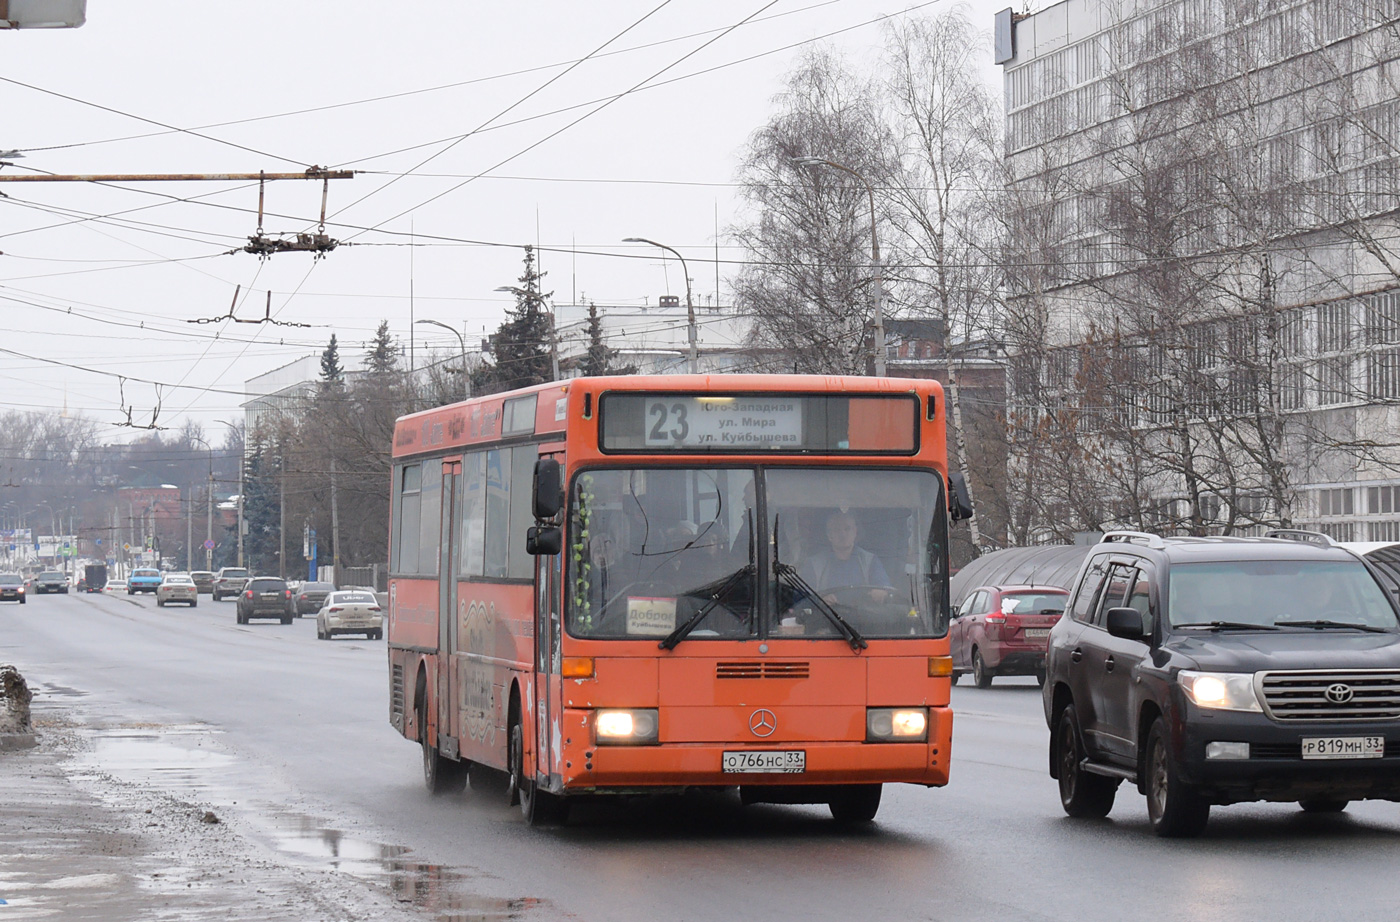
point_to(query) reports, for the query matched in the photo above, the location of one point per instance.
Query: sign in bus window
(880, 424)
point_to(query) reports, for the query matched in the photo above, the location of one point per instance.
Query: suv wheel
(981, 675)
(1175, 809)
(1082, 794)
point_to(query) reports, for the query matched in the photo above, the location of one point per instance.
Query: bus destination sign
(723, 422)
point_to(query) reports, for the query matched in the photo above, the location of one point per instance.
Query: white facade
(655, 339)
(1270, 132)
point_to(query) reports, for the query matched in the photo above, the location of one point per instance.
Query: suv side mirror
(959, 500)
(549, 489)
(1126, 623)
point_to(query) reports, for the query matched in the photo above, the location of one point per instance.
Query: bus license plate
(1344, 747)
(780, 761)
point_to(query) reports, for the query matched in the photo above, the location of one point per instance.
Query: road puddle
(444, 894)
(187, 762)
(178, 759)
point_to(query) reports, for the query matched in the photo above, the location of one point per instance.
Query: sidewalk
(81, 845)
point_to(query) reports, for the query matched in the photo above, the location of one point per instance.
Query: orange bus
(646, 584)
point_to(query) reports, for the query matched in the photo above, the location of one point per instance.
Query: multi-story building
(1207, 318)
(655, 339)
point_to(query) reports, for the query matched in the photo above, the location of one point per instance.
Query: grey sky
(657, 163)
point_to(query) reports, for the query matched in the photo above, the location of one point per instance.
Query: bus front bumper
(590, 767)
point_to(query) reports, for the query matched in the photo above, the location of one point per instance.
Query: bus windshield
(748, 552)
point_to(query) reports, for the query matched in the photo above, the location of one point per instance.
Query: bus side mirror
(959, 500)
(547, 540)
(549, 489)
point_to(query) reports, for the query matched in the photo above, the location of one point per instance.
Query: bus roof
(509, 414)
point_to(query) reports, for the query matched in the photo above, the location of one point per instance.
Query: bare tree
(808, 282)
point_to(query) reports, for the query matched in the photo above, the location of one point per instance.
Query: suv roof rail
(1136, 537)
(1302, 535)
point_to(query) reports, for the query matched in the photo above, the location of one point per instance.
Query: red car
(1004, 630)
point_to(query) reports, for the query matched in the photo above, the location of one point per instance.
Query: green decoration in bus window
(582, 588)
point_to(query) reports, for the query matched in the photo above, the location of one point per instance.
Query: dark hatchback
(1212, 671)
(308, 599)
(12, 587)
(264, 597)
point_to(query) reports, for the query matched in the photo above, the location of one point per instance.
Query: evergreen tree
(599, 358)
(383, 357)
(332, 374)
(262, 542)
(522, 342)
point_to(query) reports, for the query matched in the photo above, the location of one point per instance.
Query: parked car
(230, 581)
(177, 587)
(51, 581)
(115, 586)
(350, 612)
(1003, 630)
(12, 587)
(309, 598)
(1212, 671)
(203, 581)
(143, 579)
(265, 597)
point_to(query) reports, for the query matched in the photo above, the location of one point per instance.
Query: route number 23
(675, 416)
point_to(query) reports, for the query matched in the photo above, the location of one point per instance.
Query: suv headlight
(907, 725)
(630, 726)
(1222, 691)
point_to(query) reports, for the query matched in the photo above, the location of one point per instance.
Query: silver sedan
(350, 612)
(177, 587)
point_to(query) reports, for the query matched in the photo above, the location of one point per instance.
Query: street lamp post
(208, 508)
(53, 526)
(224, 422)
(689, 305)
(874, 256)
(466, 379)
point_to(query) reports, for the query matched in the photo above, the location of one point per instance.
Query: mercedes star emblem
(762, 722)
(1339, 693)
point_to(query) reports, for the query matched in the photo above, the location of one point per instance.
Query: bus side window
(497, 512)
(521, 565)
(406, 525)
(473, 515)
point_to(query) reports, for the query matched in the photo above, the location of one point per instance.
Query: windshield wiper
(848, 631)
(1337, 624)
(714, 597)
(1229, 626)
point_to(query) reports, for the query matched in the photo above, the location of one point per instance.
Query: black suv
(1223, 670)
(265, 597)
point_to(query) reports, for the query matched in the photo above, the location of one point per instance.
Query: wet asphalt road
(293, 733)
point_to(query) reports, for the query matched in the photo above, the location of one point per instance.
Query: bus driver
(844, 564)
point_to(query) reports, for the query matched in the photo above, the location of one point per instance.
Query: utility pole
(240, 504)
(189, 529)
(335, 528)
(282, 512)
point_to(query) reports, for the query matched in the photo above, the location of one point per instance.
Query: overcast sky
(421, 95)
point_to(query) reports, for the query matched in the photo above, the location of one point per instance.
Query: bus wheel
(855, 803)
(440, 775)
(540, 808)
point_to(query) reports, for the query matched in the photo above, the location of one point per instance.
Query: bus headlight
(906, 725)
(1224, 691)
(632, 726)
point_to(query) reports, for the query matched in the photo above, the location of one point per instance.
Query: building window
(1382, 500)
(1334, 327)
(1383, 319)
(1383, 375)
(1383, 531)
(1341, 501)
(1333, 381)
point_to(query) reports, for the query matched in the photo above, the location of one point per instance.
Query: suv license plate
(1036, 633)
(1344, 747)
(779, 761)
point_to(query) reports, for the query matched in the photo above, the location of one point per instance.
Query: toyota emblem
(762, 722)
(1338, 693)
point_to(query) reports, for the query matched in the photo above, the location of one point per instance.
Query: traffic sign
(126, 547)
(209, 545)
